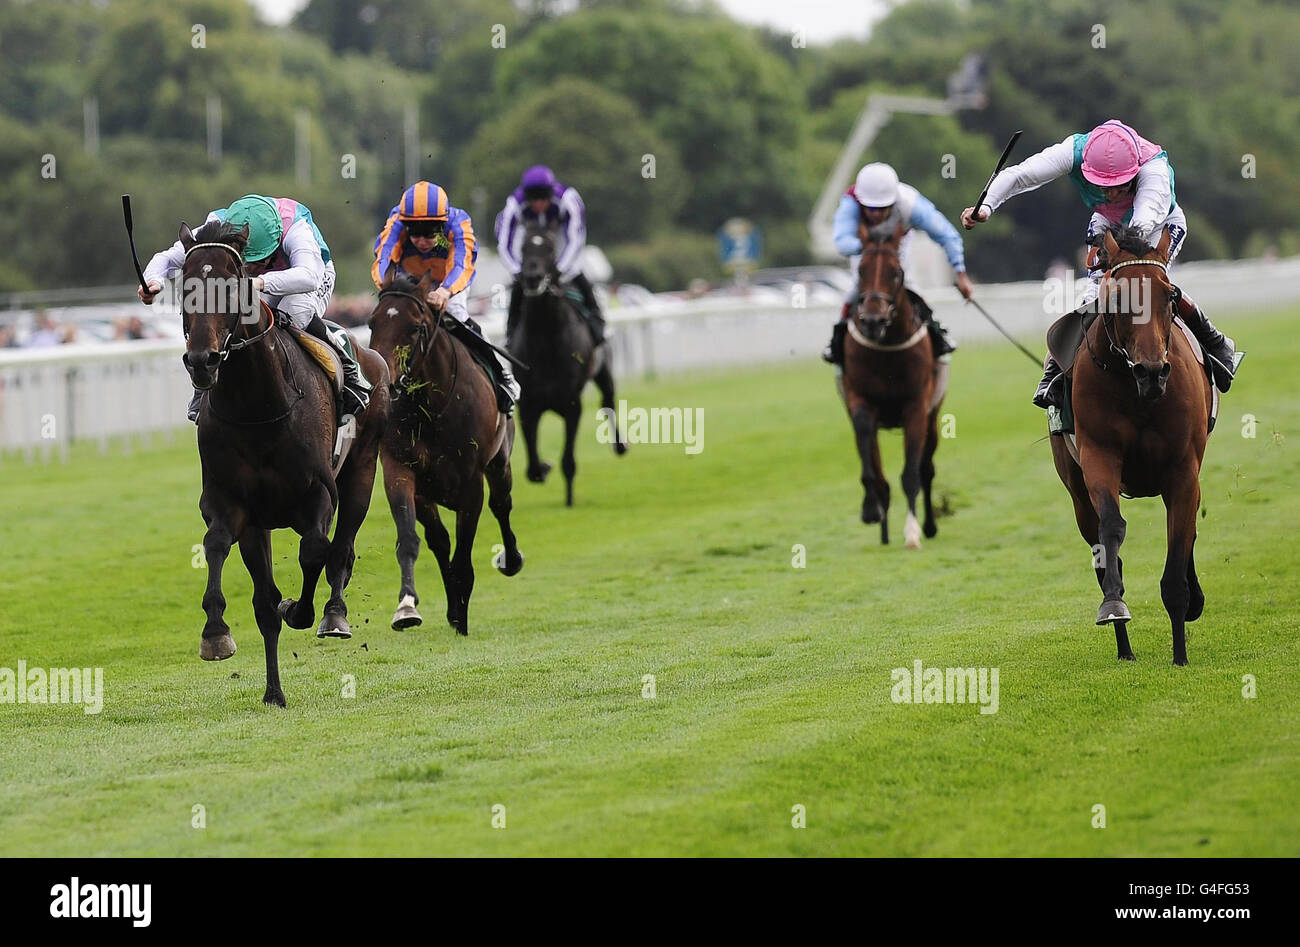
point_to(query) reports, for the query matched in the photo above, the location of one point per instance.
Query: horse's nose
(1152, 378)
(205, 358)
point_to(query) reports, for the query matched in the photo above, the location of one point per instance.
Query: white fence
(48, 397)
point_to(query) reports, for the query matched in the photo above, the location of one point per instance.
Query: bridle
(1108, 318)
(232, 344)
(547, 283)
(891, 300)
(424, 339)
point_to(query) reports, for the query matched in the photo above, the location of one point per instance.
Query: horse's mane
(405, 283)
(222, 231)
(1130, 240)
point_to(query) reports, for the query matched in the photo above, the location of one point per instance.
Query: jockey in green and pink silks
(1123, 179)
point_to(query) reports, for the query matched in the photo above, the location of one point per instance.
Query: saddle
(1065, 339)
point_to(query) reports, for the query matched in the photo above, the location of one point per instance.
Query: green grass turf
(773, 683)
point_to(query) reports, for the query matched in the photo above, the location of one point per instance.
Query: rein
(403, 381)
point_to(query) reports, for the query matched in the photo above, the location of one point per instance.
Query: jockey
(541, 197)
(883, 202)
(291, 268)
(1123, 178)
(425, 234)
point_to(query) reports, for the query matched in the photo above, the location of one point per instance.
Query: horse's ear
(1111, 247)
(186, 236)
(426, 282)
(864, 232)
(1162, 248)
(243, 233)
(389, 275)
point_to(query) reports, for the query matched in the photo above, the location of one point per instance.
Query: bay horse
(1141, 421)
(553, 341)
(266, 441)
(445, 435)
(890, 381)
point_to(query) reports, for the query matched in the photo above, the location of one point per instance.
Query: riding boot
(356, 389)
(834, 352)
(1219, 349)
(1050, 388)
(512, 315)
(507, 389)
(193, 411)
(595, 320)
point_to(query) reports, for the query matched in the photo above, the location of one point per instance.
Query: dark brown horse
(266, 442)
(1141, 419)
(446, 434)
(557, 347)
(890, 381)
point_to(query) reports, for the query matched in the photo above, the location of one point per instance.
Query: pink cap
(1110, 157)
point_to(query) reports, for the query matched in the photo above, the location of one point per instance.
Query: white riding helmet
(876, 186)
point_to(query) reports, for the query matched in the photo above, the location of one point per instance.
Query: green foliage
(668, 261)
(549, 127)
(731, 109)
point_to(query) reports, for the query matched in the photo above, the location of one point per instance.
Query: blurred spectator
(45, 334)
(8, 338)
(350, 311)
(129, 328)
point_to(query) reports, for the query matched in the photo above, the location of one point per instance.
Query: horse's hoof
(930, 530)
(1128, 657)
(406, 616)
(870, 514)
(1180, 661)
(1113, 612)
(295, 615)
(512, 566)
(911, 533)
(273, 697)
(218, 648)
(334, 626)
(539, 473)
(620, 448)
(461, 627)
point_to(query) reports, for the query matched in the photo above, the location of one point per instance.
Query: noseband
(1108, 319)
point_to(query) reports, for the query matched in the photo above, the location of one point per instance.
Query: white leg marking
(911, 532)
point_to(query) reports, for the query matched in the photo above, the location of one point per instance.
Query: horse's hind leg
(1181, 503)
(605, 382)
(568, 463)
(313, 551)
(927, 472)
(356, 484)
(435, 534)
(255, 548)
(462, 562)
(529, 415)
(217, 644)
(500, 482)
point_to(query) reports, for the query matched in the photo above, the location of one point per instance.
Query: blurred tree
(554, 126)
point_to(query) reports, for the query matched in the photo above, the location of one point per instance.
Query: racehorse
(445, 435)
(557, 347)
(266, 443)
(1141, 420)
(890, 381)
